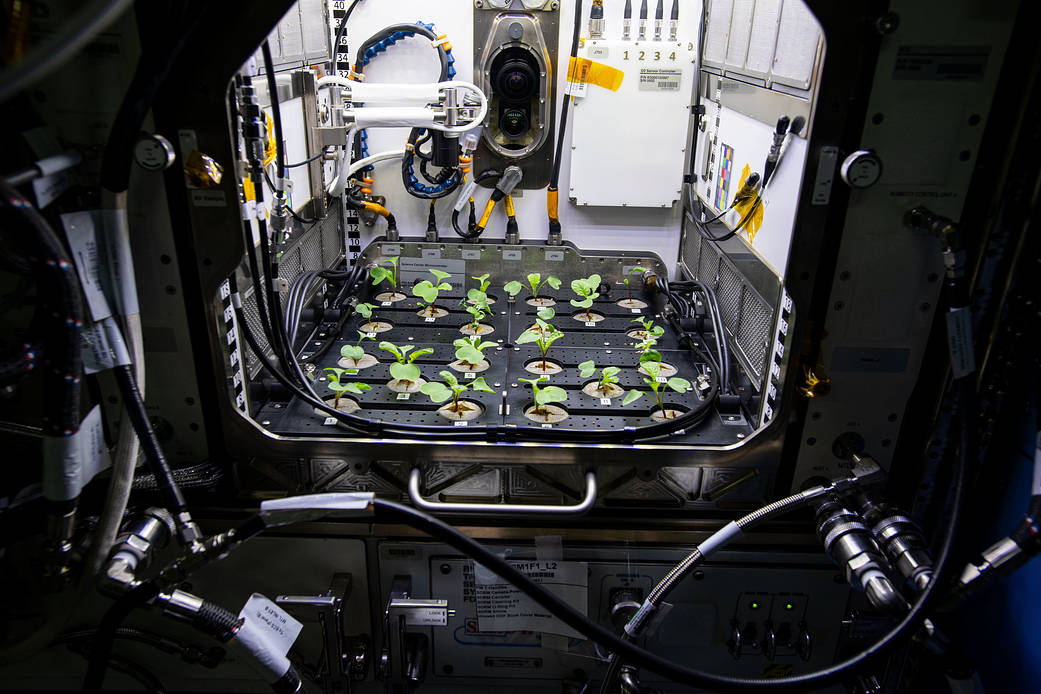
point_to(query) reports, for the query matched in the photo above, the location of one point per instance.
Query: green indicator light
(788, 606)
(754, 606)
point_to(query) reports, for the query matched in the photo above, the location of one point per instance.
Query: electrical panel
(618, 83)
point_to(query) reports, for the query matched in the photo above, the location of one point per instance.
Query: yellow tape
(751, 205)
(586, 71)
(551, 203)
(483, 223)
(249, 191)
(510, 211)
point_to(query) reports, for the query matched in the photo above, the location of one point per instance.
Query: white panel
(315, 29)
(750, 140)
(797, 40)
(612, 127)
(653, 230)
(764, 37)
(740, 29)
(717, 33)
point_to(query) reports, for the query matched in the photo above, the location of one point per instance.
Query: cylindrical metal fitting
(902, 541)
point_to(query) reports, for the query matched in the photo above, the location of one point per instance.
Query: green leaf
(364, 336)
(587, 368)
(528, 336)
(444, 287)
(484, 344)
(546, 313)
(449, 378)
(513, 288)
(425, 291)
(334, 374)
(553, 282)
(477, 296)
(365, 310)
(533, 282)
(656, 331)
(419, 353)
(481, 385)
(392, 348)
(340, 387)
(652, 368)
(405, 372)
(352, 352)
(625, 282)
(357, 388)
(550, 394)
(437, 392)
(378, 274)
(632, 396)
(679, 385)
(651, 357)
(610, 371)
(459, 342)
(393, 261)
(585, 303)
(440, 275)
(533, 381)
(578, 286)
(551, 337)
(481, 278)
(469, 354)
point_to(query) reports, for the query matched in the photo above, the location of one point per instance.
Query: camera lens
(516, 81)
(514, 122)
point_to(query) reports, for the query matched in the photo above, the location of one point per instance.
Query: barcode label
(605, 401)
(660, 79)
(460, 424)
(371, 336)
(661, 379)
(590, 324)
(428, 319)
(386, 303)
(329, 421)
(635, 310)
(470, 376)
(404, 396)
(547, 426)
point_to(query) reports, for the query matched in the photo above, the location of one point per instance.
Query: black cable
(307, 161)
(705, 232)
(276, 112)
(566, 107)
(680, 673)
(101, 647)
(59, 318)
(171, 494)
(207, 657)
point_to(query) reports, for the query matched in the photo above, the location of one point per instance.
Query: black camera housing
(516, 84)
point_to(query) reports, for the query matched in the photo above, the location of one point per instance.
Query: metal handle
(434, 506)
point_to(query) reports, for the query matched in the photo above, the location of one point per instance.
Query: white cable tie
(465, 195)
(356, 76)
(440, 41)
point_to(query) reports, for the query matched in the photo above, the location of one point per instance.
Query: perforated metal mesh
(747, 317)
(318, 248)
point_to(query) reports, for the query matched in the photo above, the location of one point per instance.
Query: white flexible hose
(127, 444)
(374, 159)
(343, 163)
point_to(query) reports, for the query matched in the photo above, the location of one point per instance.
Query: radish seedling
(384, 274)
(543, 334)
(477, 311)
(650, 330)
(588, 289)
(355, 352)
(544, 396)
(628, 281)
(479, 294)
(403, 370)
(469, 351)
(428, 292)
(339, 387)
(452, 388)
(606, 378)
(535, 283)
(654, 380)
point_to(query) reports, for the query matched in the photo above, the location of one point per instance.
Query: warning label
(502, 607)
(657, 79)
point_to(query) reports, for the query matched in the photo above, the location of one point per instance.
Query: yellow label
(586, 71)
(751, 207)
